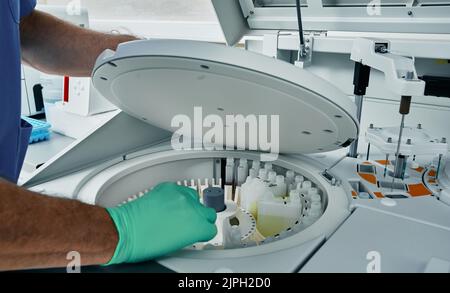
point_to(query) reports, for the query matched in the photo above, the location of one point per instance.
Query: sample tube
(252, 173)
(268, 166)
(281, 186)
(242, 171)
(262, 174)
(229, 171)
(256, 165)
(312, 191)
(306, 185)
(290, 177)
(299, 179)
(315, 198)
(272, 177)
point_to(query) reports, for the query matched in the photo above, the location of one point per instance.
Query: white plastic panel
(156, 80)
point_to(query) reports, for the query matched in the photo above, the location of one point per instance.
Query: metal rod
(402, 124)
(335, 163)
(368, 152)
(397, 153)
(301, 50)
(359, 104)
(385, 165)
(438, 167)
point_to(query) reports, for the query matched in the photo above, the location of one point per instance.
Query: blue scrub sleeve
(26, 7)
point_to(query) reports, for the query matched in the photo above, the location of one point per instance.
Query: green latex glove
(166, 219)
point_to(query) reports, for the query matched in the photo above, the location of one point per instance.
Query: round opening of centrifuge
(256, 202)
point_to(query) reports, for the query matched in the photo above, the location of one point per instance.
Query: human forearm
(39, 231)
(57, 47)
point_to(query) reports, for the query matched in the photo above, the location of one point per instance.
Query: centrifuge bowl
(116, 183)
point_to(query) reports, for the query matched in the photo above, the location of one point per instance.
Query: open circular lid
(226, 96)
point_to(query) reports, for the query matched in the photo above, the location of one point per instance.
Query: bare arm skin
(56, 47)
(37, 231)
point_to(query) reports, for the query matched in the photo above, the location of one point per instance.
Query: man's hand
(57, 47)
(164, 220)
(38, 231)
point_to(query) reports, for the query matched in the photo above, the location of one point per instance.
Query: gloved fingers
(209, 232)
(162, 186)
(172, 188)
(192, 193)
(209, 214)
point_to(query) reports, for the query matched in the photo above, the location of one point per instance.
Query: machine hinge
(315, 33)
(309, 43)
(247, 7)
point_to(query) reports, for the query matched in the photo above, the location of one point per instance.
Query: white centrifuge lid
(155, 80)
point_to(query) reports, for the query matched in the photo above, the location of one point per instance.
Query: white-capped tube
(306, 185)
(242, 171)
(294, 197)
(256, 165)
(262, 174)
(268, 166)
(294, 193)
(290, 177)
(193, 185)
(252, 173)
(315, 198)
(297, 183)
(312, 191)
(316, 206)
(229, 168)
(314, 213)
(280, 179)
(243, 162)
(272, 177)
(281, 188)
(299, 179)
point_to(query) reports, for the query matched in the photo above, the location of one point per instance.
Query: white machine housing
(415, 141)
(131, 152)
(411, 28)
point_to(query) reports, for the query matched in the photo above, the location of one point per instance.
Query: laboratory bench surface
(39, 153)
